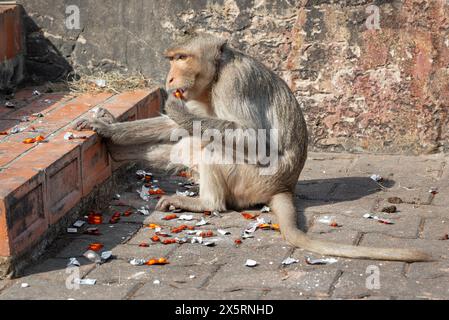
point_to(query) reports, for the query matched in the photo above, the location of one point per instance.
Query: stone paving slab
(336, 185)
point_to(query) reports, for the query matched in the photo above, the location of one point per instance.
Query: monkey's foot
(100, 114)
(180, 202)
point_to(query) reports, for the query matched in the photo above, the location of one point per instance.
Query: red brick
(11, 150)
(41, 182)
(96, 163)
(150, 107)
(125, 106)
(61, 163)
(44, 104)
(75, 108)
(22, 209)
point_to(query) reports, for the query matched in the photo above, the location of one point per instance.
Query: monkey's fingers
(82, 124)
(163, 204)
(103, 129)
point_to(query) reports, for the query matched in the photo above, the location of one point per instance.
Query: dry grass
(114, 82)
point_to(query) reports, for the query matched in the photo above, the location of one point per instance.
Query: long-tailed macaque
(227, 91)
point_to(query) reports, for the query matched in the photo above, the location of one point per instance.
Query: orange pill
(29, 140)
(170, 217)
(249, 216)
(178, 94)
(95, 246)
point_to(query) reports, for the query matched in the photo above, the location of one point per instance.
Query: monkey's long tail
(282, 205)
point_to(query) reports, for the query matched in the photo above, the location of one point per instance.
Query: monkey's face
(190, 72)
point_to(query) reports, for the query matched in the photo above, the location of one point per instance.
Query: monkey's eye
(180, 57)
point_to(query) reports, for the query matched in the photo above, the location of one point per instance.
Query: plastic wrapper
(251, 263)
(289, 261)
(323, 261)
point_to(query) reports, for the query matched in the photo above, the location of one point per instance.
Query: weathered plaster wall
(383, 90)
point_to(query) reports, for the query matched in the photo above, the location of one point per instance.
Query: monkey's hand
(177, 110)
(99, 114)
(103, 129)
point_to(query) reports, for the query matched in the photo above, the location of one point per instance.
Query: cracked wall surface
(383, 90)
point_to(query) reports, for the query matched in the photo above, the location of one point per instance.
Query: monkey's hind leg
(212, 193)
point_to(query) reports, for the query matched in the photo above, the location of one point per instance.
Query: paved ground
(336, 185)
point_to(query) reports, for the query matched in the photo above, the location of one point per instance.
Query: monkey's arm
(155, 130)
(178, 112)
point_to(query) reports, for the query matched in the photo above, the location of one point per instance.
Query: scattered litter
(223, 232)
(156, 191)
(156, 282)
(238, 241)
(95, 246)
(115, 218)
(144, 211)
(202, 222)
(16, 129)
(72, 136)
(24, 285)
(251, 263)
(331, 221)
(87, 282)
(79, 223)
(144, 245)
(249, 216)
(154, 226)
(209, 243)
(73, 262)
(92, 231)
(38, 115)
(92, 256)
(186, 193)
(395, 200)
(33, 140)
(265, 209)
(137, 262)
(144, 193)
(170, 217)
(168, 241)
(320, 261)
(376, 178)
(445, 237)
(106, 255)
(158, 261)
(380, 220)
(192, 276)
(433, 191)
(247, 235)
(289, 261)
(390, 209)
(95, 218)
(142, 174)
(72, 230)
(127, 213)
(216, 214)
(9, 104)
(185, 217)
(36, 93)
